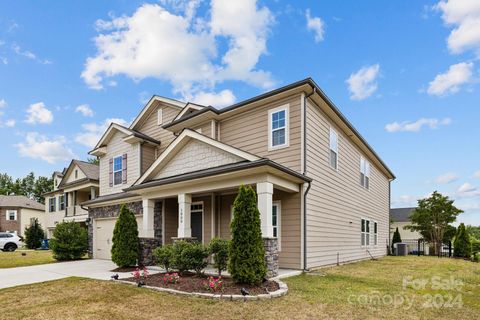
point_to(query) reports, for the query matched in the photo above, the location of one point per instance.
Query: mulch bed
(124, 269)
(192, 283)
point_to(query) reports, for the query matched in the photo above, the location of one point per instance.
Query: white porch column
(148, 214)
(184, 216)
(265, 196)
(93, 193)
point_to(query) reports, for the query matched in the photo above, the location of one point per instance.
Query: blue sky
(405, 73)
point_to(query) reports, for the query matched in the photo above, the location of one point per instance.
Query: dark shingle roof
(91, 170)
(20, 202)
(401, 214)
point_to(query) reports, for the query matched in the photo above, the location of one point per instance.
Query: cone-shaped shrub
(125, 239)
(396, 238)
(34, 235)
(462, 246)
(247, 255)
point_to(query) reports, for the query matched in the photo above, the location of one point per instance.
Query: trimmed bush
(462, 247)
(396, 239)
(69, 242)
(125, 242)
(189, 256)
(219, 249)
(179, 262)
(164, 256)
(34, 235)
(247, 254)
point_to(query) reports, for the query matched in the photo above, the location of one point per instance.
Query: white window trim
(54, 204)
(366, 173)
(203, 217)
(332, 130)
(370, 233)
(160, 116)
(278, 204)
(7, 215)
(285, 108)
(375, 235)
(113, 170)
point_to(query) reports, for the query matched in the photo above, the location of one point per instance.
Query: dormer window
(160, 116)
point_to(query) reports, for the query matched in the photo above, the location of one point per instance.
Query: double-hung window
(375, 233)
(11, 215)
(365, 232)
(61, 202)
(117, 170)
(333, 149)
(278, 127)
(51, 204)
(364, 173)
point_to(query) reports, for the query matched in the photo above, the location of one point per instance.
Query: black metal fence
(422, 248)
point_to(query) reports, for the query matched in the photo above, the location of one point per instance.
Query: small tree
(34, 235)
(164, 256)
(125, 242)
(219, 249)
(462, 246)
(69, 242)
(432, 217)
(396, 239)
(247, 254)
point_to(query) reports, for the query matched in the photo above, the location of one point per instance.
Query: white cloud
(446, 178)
(362, 84)
(85, 110)
(466, 188)
(28, 54)
(183, 48)
(450, 81)
(464, 17)
(405, 201)
(3, 103)
(38, 113)
(94, 131)
(220, 99)
(9, 123)
(477, 174)
(316, 25)
(38, 146)
(416, 126)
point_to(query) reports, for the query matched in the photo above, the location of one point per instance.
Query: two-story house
(18, 212)
(77, 183)
(323, 192)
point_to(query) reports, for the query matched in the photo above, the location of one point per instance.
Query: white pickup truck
(9, 241)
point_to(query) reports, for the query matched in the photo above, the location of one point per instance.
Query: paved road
(95, 269)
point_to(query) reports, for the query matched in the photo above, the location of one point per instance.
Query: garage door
(103, 237)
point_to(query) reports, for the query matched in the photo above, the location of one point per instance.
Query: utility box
(401, 249)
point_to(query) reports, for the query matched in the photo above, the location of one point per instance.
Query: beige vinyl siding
(151, 128)
(25, 214)
(249, 132)
(71, 175)
(290, 229)
(171, 219)
(225, 214)
(205, 129)
(404, 234)
(148, 157)
(117, 147)
(336, 202)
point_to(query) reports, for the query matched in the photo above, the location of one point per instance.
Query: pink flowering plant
(214, 284)
(169, 278)
(141, 276)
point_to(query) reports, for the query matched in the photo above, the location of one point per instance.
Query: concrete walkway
(94, 269)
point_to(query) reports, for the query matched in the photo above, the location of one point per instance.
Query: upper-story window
(117, 170)
(11, 215)
(51, 204)
(333, 149)
(61, 202)
(364, 173)
(160, 116)
(278, 127)
(76, 174)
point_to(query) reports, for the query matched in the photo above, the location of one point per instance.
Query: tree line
(30, 186)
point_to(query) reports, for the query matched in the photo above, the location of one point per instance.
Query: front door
(197, 220)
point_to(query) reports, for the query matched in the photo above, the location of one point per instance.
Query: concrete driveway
(94, 269)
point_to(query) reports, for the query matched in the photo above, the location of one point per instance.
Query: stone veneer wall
(145, 253)
(271, 256)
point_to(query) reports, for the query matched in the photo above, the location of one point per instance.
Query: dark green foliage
(432, 217)
(247, 254)
(34, 235)
(396, 238)
(475, 246)
(31, 187)
(125, 242)
(450, 232)
(219, 249)
(462, 247)
(69, 242)
(94, 160)
(189, 256)
(473, 231)
(164, 256)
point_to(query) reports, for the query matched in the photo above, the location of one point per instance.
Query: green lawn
(15, 259)
(322, 295)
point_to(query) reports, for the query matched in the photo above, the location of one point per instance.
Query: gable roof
(189, 106)
(129, 132)
(151, 104)
(91, 171)
(401, 214)
(20, 202)
(181, 141)
(309, 87)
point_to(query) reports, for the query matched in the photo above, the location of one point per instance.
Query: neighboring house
(18, 212)
(323, 193)
(79, 182)
(400, 217)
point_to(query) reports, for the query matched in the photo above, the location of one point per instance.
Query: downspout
(305, 173)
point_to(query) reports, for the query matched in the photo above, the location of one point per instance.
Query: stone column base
(145, 252)
(271, 256)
